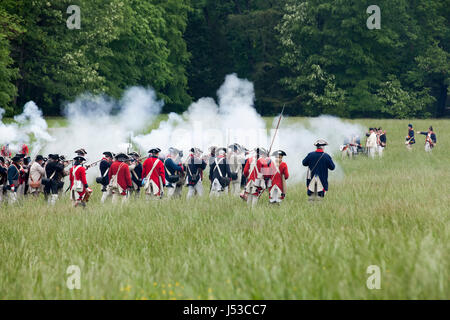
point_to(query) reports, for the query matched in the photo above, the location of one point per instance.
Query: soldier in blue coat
(104, 166)
(13, 177)
(410, 140)
(174, 172)
(318, 163)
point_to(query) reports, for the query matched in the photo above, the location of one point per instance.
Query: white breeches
(235, 187)
(275, 195)
(117, 196)
(197, 189)
(380, 151)
(175, 191)
(371, 152)
(106, 194)
(52, 199)
(252, 200)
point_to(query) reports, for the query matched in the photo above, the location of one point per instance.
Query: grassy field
(391, 212)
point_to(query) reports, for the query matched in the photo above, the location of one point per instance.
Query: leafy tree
(10, 29)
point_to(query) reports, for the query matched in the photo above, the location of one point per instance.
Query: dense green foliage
(381, 212)
(315, 56)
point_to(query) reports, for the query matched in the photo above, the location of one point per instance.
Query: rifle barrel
(276, 130)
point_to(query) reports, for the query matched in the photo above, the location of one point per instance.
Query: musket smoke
(99, 123)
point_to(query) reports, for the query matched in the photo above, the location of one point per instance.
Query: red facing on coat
(157, 172)
(123, 175)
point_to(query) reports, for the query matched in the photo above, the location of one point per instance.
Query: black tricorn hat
(16, 158)
(79, 158)
(53, 156)
(279, 153)
(320, 143)
(122, 157)
(134, 154)
(108, 154)
(2, 159)
(81, 152)
(410, 125)
(39, 157)
(195, 149)
(20, 155)
(221, 149)
(154, 150)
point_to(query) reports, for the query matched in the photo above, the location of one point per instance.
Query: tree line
(313, 56)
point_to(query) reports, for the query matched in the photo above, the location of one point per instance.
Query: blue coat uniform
(432, 136)
(320, 167)
(410, 137)
(104, 165)
(13, 175)
(194, 170)
(136, 176)
(171, 167)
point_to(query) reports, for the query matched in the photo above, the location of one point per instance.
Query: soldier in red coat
(79, 189)
(280, 174)
(25, 150)
(153, 175)
(119, 178)
(6, 152)
(258, 174)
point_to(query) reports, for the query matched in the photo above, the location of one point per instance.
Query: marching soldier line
(234, 170)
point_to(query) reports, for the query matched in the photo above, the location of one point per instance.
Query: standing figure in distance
(277, 191)
(3, 177)
(236, 159)
(104, 166)
(371, 143)
(219, 173)
(119, 178)
(255, 170)
(79, 188)
(174, 171)
(410, 140)
(37, 172)
(381, 141)
(194, 165)
(153, 175)
(318, 163)
(13, 179)
(430, 140)
(54, 169)
(136, 172)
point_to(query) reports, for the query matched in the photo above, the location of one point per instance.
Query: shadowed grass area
(391, 212)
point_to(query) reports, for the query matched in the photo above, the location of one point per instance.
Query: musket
(93, 164)
(276, 130)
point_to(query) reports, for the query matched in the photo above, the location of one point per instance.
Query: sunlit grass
(391, 212)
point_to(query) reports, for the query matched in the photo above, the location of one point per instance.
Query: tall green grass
(391, 212)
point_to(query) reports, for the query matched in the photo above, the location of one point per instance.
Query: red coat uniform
(25, 150)
(157, 172)
(276, 177)
(5, 152)
(80, 174)
(123, 177)
(263, 167)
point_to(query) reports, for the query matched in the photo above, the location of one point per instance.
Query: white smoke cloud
(99, 123)
(235, 120)
(28, 127)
